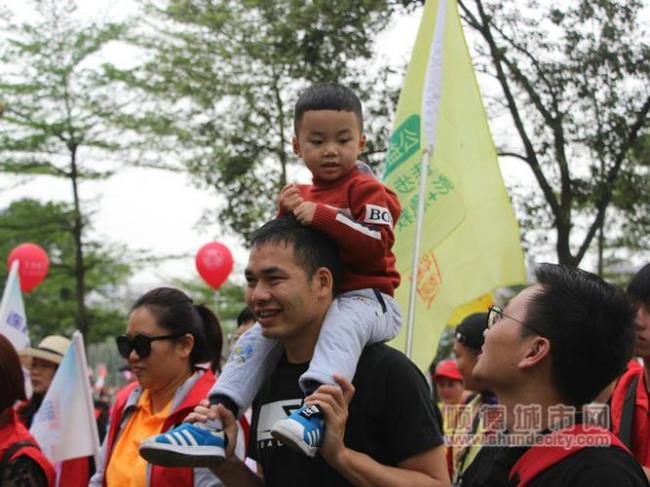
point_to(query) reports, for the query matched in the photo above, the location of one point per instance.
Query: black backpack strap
(9, 452)
(627, 413)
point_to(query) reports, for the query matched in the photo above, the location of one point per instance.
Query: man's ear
(538, 350)
(362, 143)
(296, 146)
(324, 281)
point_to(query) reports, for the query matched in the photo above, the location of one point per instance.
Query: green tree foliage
(223, 78)
(574, 78)
(51, 307)
(632, 196)
(58, 108)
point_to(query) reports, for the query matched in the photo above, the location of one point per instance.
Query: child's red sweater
(358, 212)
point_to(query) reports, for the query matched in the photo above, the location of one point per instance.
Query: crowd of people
(311, 395)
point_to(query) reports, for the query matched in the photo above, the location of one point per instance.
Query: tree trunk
(79, 268)
(563, 245)
(601, 247)
(279, 106)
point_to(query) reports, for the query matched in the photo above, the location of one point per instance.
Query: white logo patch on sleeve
(378, 215)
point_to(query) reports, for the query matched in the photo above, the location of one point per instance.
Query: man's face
(466, 359)
(287, 303)
(642, 342)
(329, 141)
(504, 346)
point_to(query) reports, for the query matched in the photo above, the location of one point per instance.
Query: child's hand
(305, 212)
(290, 198)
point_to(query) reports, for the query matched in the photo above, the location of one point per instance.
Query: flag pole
(424, 166)
(431, 92)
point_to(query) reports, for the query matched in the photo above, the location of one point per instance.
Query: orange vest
(161, 476)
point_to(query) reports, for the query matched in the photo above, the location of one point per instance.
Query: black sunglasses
(140, 343)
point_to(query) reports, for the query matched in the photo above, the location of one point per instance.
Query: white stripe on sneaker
(188, 436)
(171, 439)
(179, 438)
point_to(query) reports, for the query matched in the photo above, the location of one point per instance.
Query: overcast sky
(156, 210)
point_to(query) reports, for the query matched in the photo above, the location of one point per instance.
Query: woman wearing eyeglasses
(167, 339)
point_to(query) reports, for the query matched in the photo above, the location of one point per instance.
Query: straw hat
(52, 348)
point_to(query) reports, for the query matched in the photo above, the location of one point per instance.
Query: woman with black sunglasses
(167, 340)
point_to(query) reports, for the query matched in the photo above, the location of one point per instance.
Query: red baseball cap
(447, 369)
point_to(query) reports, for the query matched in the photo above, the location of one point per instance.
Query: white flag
(64, 425)
(13, 320)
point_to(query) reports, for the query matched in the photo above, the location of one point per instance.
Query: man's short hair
(246, 315)
(327, 96)
(590, 325)
(312, 249)
(639, 288)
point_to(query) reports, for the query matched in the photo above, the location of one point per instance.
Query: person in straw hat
(45, 359)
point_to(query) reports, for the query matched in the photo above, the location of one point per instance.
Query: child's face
(329, 141)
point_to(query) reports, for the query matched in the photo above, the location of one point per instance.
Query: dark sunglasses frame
(141, 344)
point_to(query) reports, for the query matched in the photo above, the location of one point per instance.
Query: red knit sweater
(358, 212)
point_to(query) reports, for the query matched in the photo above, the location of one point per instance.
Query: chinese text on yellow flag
(469, 241)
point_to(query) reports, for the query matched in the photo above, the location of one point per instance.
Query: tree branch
(513, 154)
(606, 197)
(531, 157)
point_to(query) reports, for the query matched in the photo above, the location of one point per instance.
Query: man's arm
(424, 469)
(427, 468)
(232, 471)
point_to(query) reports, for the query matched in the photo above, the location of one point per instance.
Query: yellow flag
(478, 305)
(469, 241)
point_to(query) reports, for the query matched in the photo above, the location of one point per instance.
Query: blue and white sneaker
(197, 445)
(302, 430)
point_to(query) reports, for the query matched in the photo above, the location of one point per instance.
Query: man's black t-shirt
(390, 418)
(590, 467)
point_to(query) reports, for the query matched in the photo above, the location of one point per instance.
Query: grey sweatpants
(354, 319)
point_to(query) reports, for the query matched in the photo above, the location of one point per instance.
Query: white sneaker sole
(290, 433)
(182, 456)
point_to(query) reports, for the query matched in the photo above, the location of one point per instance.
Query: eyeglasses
(140, 343)
(495, 313)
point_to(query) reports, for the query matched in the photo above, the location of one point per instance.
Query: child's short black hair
(327, 96)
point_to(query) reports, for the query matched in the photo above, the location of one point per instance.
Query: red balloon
(33, 267)
(214, 263)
